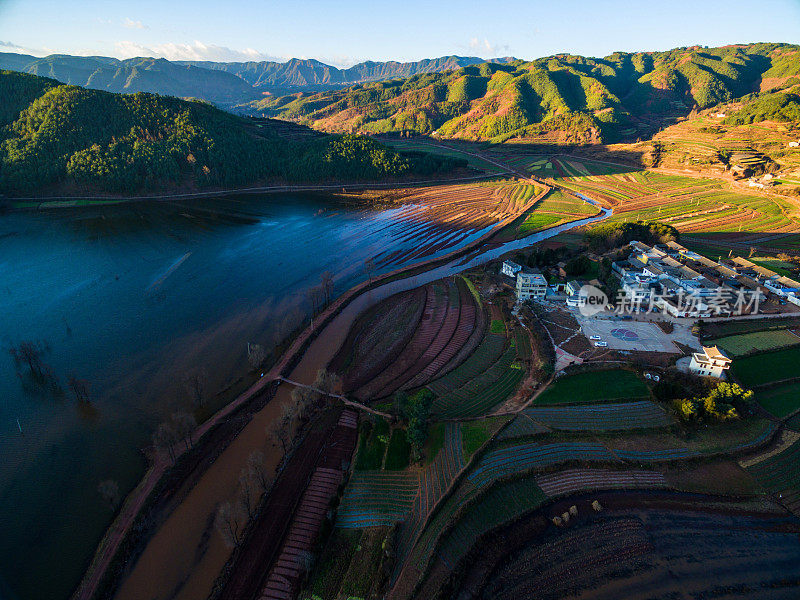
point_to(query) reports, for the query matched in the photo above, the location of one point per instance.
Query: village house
(530, 285)
(711, 362)
(510, 268)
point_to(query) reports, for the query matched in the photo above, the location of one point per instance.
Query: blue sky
(344, 32)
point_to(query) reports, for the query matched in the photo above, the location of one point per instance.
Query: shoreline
(47, 202)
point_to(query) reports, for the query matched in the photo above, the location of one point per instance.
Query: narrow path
(343, 399)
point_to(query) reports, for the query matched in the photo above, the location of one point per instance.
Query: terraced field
(410, 339)
(656, 553)
(499, 506)
(555, 209)
(605, 417)
(521, 458)
(377, 498)
(780, 474)
(579, 480)
(759, 341)
(442, 217)
(482, 381)
(692, 205)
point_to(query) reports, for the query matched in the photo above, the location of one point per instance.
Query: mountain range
(624, 96)
(223, 83)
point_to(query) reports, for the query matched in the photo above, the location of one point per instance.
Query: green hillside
(64, 139)
(581, 99)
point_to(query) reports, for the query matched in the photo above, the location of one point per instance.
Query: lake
(147, 302)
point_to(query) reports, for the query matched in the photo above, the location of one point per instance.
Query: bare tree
(328, 382)
(314, 295)
(326, 283)
(195, 384)
(247, 493)
(280, 428)
(256, 355)
(79, 388)
(257, 468)
(164, 438)
(228, 524)
(369, 268)
(30, 353)
(184, 424)
(302, 398)
(109, 490)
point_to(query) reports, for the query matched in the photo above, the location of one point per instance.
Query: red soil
(269, 563)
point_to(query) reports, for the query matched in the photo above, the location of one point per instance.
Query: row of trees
(255, 478)
(607, 236)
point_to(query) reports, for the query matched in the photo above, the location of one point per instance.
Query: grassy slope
(581, 97)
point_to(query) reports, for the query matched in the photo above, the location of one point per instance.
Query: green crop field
(691, 204)
(780, 400)
(497, 326)
(498, 506)
(759, 341)
(759, 369)
(594, 386)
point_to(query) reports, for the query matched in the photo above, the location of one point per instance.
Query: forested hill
(60, 139)
(624, 95)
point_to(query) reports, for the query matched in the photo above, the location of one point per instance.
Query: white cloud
(8, 46)
(131, 24)
(194, 51)
(487, 49)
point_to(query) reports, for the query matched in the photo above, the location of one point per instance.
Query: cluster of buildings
(682, 283)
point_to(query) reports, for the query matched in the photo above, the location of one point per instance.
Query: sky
(344, 32)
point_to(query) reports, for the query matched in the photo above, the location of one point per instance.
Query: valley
(441, 328)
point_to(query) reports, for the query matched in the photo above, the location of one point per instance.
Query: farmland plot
(444, 217)
(758, 341)
(780, 474)
(376, 498)
(578, 480)
(605, 417)
(657, 553)
(437, 335)
(692, 205)
(499, 506)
